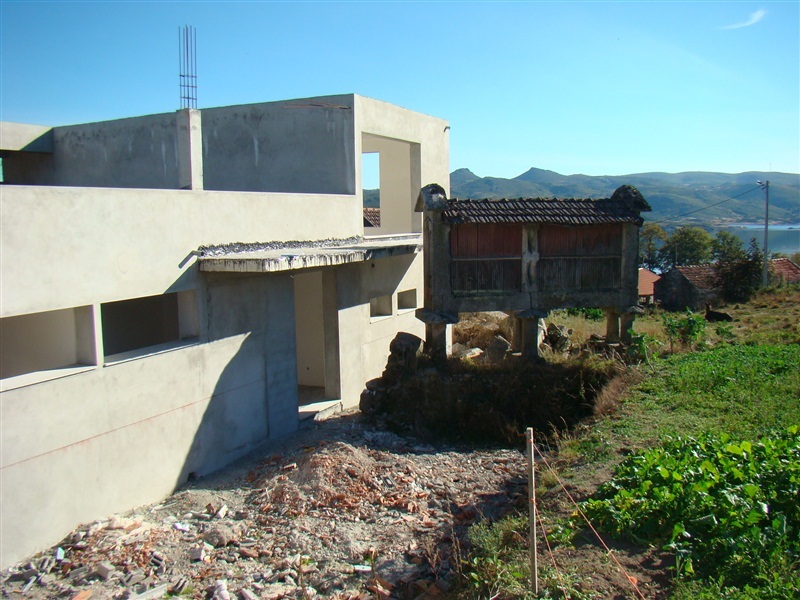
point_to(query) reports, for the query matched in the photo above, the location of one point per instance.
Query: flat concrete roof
(273, 260)
(21, 137)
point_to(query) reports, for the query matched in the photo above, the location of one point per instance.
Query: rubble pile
(341, 511)
(557, 337)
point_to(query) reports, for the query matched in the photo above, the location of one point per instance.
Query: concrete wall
(304, 145)
(64, 247)
(118, 436)
(365, 341)
(136, 152)
(82, 447)
(415, 151)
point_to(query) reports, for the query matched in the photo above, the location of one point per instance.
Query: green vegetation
(727, 509)
(701, 461)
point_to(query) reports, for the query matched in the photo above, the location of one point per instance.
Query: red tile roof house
(646, 281)
(693, 286)
(783, 270)
(687, 287)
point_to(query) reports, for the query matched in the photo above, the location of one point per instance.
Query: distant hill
(672, 195)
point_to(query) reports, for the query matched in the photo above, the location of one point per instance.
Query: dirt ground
(342, 510)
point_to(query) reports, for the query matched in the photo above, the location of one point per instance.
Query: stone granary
(176, 286)
(529, 256)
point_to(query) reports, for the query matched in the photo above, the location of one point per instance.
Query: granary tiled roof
(785, 270)
(703, 277)
(540, 210)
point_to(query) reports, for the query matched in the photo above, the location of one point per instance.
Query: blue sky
(600, 88)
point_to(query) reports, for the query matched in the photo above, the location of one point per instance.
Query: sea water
(782, 238)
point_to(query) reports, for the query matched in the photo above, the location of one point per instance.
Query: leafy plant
(727, 509)
(688, 330)
(641, 347)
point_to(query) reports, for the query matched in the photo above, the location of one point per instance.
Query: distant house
(784, 271)
(372, 217)
(530, 256)
(646, 280)
(693, 286)
(686, 287)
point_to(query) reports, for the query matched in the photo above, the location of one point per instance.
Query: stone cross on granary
(529, 256)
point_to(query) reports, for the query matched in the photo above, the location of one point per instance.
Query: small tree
(686, 246)
(739, 278)
(651, 236)
(727, 248)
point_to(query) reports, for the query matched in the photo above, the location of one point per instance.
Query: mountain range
(676, 198)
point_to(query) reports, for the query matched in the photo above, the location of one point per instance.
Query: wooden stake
(534, 557)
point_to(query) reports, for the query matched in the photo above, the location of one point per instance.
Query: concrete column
(190, 149)
(89, 335)
(612, 326)
(330, 325)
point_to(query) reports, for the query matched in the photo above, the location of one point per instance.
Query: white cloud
(754, 18)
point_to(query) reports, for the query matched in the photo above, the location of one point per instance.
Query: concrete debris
(104, 570)
(360, 513)
(153, 593)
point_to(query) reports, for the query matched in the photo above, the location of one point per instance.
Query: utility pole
(765, 271)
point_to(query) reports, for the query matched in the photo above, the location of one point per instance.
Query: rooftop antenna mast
(187, 66)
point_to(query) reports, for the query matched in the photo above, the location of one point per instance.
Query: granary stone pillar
(612, 325)
(529, 325)
(438, 332)
(626, 322)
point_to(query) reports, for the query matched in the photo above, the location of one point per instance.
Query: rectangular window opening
(380, 306)
(407, 300)
(371, 188)
(50, 341)
(130, 326)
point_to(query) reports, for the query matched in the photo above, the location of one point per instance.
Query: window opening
(371, 188)
(143, 322)
(46, 341)
(381, 306)
(407, 300)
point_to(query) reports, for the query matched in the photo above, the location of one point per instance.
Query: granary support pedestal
(619, 322)
(528, 331)
(438, 332)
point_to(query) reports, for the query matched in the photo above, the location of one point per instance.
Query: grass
(737, 384)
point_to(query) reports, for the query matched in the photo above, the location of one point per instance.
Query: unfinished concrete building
(530, 256)
(175, 287)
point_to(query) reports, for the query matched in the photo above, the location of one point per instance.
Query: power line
(691, 212)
